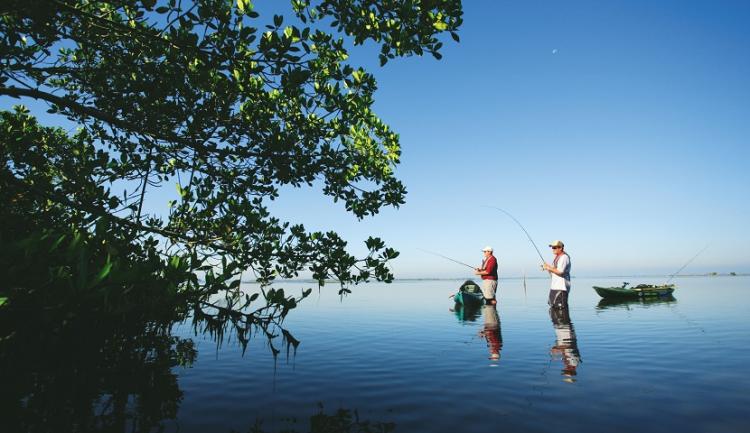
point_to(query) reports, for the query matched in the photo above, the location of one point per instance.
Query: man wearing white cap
(560, 272)
(488, 272)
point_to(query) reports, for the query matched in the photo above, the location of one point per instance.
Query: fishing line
(674, 309)
(689, 261)
(687, 319)
(522, 228)
(447, 258)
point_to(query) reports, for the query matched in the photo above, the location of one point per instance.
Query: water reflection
(466, 313)
(566, 343)
(626, 303)
(491, 331)
(342, 421)
(91, 374)
(62, 372)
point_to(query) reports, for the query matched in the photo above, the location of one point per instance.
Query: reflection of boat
(614, 302)
(639, 291)
(469, 295)
(466, 313)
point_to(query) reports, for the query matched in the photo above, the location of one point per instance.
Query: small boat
(469, 295)
(639, 291)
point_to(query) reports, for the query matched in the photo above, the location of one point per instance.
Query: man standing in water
(488, 272)
(560, 272)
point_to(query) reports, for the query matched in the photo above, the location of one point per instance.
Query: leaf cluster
(204, 96)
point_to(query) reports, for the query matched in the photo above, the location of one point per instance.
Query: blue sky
(619, 127)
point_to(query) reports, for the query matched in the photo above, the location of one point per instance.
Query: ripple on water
(417, 364)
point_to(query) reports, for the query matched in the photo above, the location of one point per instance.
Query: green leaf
(104, 272)
(245, 6)
(57, 243)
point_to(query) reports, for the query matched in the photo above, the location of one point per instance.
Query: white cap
(487, 248)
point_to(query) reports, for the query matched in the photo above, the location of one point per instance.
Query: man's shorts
(489, 287)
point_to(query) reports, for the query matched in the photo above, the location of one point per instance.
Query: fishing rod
(685, 265)
(522, 228)
(448, 258)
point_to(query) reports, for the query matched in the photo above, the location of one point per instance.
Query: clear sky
(619, 127)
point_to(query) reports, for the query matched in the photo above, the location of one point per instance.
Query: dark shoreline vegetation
(165, 93)
(229, 104)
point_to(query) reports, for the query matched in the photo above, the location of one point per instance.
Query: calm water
(395, 353)
(397, 358)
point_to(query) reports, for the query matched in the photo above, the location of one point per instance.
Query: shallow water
(396, 353)
(396, 358)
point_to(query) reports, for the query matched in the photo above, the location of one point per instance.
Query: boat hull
(469, 295)
(642, 291)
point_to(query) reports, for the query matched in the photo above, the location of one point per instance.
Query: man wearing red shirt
(488, 272)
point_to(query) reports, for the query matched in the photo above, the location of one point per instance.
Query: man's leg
(558, 299)
(489, 288)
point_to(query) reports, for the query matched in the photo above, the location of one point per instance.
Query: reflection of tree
(111, 373)
(91, 374)
(566, 343)
(343, 421)
(231, 312)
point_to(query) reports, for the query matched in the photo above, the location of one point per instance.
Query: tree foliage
(209, 96)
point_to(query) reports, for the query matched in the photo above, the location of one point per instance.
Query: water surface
(397, 358)
(396, 353)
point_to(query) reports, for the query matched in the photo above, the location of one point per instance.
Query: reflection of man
(491, 331)
(560, 272)
(488, 272)
(566, 344)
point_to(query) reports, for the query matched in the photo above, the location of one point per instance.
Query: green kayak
(469, 295)
(639, 291)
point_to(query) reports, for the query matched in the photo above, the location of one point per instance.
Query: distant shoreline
(591, 277)
(654, 276)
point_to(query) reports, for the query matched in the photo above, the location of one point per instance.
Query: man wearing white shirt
(560, 272)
